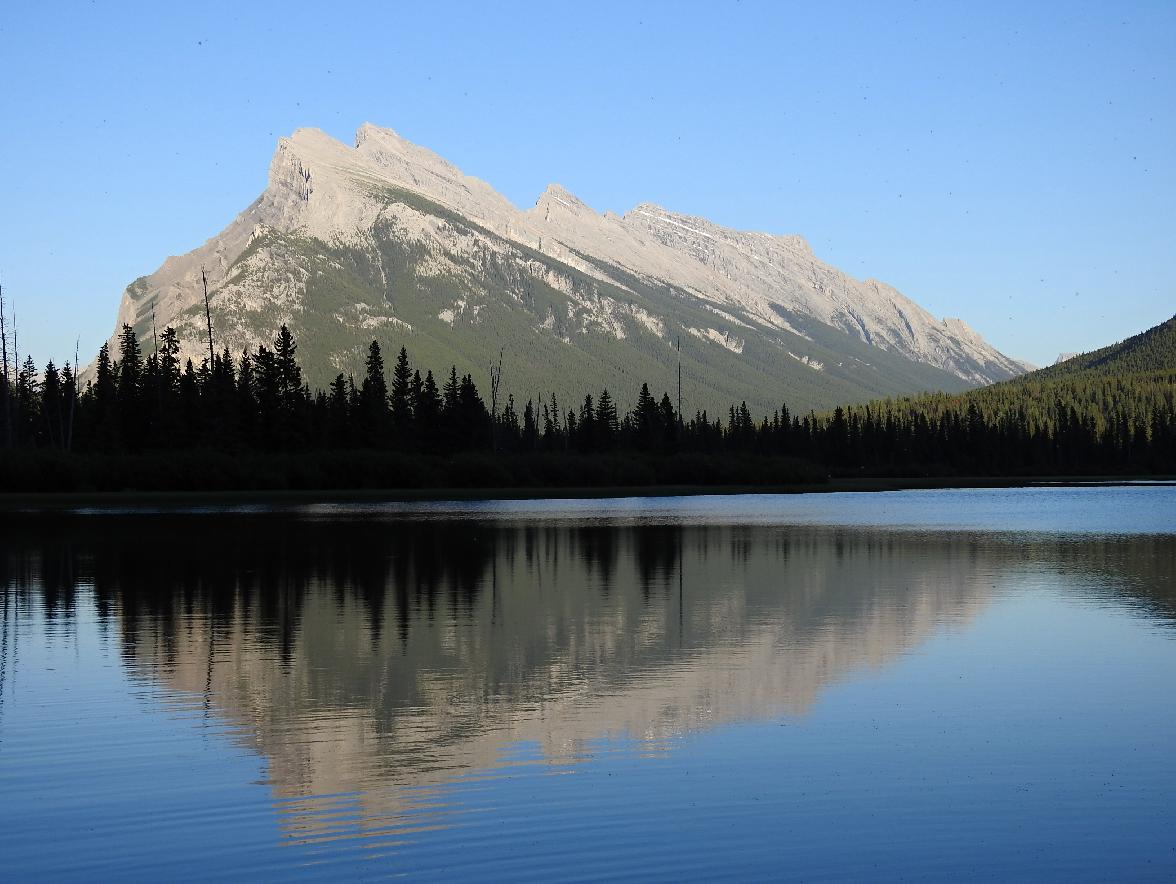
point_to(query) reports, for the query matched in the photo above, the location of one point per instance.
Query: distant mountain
(1152, 350)
(386, 240)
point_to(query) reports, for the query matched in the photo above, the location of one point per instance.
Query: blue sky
(1012, 164)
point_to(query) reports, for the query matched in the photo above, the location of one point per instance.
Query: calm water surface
(912, 685)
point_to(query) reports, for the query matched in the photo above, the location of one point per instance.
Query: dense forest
(148, 421)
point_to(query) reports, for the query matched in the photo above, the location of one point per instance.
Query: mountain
(386, 240)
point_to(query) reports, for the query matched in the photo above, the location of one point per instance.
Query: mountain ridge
(387, 239)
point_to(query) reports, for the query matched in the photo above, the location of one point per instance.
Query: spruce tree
(646, 421)
(607, 423)
(129, 387)
(289, 372)
(339, 431)
(428, 408)
(105, 402)
(374, 398)
(51, 423)
(400, 400)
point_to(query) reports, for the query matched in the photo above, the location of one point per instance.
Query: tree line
(260, 403)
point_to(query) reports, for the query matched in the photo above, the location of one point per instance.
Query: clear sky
(1013, 164)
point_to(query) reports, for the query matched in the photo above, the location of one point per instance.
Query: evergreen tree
(169, 361)
(451, 417)
(339, 431)
(52, 423)
(473, 423)
(28, 402)
(668, 421)
(374, 400)
(607, 423)
(586, 435)
(105, 403)
(529, 440)
(289, 372)
(129, 389)
(428, 408)
(400, 400)
(267, 391)
(647, 421)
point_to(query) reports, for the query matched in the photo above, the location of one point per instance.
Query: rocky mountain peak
(557, 197)
(384, 147)
(413, 226)
(370, 131)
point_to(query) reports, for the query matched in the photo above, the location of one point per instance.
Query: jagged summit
(560, 195)
(371, 130)
(387, 237)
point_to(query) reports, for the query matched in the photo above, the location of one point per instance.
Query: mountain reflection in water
(383, 658)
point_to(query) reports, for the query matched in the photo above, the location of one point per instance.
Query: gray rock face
(387, 239)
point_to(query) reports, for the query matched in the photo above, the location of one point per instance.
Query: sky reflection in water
(681, 688)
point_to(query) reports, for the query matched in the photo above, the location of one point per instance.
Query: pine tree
(647, 421)
(289, 372)
(374, 400)
(530, 434)
(428, 408)
(586, 436)
(339, 430)
(450, 391)
(668, 420)
(473, 424)
(607, 424)
(52, 424)
(169, 361)
(129, 388)
(416, 392)
(28, 402)
(105, 402)
(400, 400)
(267, 389)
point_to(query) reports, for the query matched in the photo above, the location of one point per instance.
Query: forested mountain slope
(1110, 410)
(1152, 350)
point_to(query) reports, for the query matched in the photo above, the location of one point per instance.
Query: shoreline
(32, 502)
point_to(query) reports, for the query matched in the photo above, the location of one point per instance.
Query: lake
(921, 685)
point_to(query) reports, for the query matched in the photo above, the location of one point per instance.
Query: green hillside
(1153, 350)
(1106, 411)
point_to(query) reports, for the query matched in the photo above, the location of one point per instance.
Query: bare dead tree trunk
(208, 316)
(495, 381)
